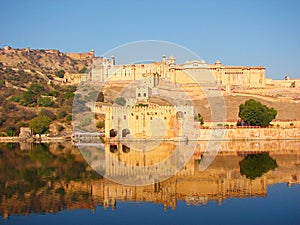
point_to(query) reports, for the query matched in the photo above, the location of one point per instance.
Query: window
(137, 117)
(124, 117)
(145, 94)
(139, 94)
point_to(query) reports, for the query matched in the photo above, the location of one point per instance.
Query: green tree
(36, 89)
(69, 94)
(120, 101)
(100, 97)
(68, 119)
(83, 70)
(2, 83)
(100, 124)
(11, 131)
(254, 113)
(199, 118)
(60, 73)
(40, 124)
(27, 98)
(255, 165)
(45, 101)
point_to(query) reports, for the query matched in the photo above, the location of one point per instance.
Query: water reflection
(46, 178)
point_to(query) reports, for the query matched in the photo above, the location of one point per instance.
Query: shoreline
(114, 141)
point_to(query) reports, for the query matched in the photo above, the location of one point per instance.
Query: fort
(81, 55)
(147, 122)
(104, 69)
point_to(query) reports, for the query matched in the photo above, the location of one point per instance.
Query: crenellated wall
(147, 122)
(186, 73)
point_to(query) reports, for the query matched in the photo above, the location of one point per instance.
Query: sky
(237, 32)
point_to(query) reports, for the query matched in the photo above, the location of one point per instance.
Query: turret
(93, 53)
(164, 58)
(113, 60)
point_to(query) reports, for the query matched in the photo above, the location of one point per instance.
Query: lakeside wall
(251, 134)
(273, 133)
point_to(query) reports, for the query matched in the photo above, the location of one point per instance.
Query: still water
(53, 184)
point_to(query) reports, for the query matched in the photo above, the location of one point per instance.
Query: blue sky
(241, 32)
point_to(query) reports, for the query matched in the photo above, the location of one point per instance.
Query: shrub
(36, 89)
(100, 124)
(45, 101)
(60, 73)
(11, 131)
(49, 76)
(54, 93)
(68, 119)
(120, 101)
(62, 114)
(27, 98)
(83, 70)
(59, 128)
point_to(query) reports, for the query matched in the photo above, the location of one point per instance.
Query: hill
(31, 84)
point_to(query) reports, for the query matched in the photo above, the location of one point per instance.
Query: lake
(246, 183)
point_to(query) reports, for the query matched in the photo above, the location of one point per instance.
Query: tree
(120, 101)
(100, 124)
(45, 101)
(11, 131)
(27, 98)
(254, 113)
(40, 124)
(83, 70)
(60, 74)
(68, 119)
(100, 97)
(199, 118)
(36, 89)
(255, 165)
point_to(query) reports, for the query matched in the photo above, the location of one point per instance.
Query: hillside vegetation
(28, 89)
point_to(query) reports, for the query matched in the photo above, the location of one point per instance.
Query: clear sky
(240, 32)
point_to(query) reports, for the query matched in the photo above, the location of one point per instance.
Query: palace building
(104, 69)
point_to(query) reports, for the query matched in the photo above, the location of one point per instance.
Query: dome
(218, 62)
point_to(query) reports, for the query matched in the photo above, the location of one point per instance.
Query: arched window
(113, 148)
(179, 115)
(125, 132)
(113, 133)
(125, 149)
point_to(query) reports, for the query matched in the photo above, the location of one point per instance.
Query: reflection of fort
(133, 159)
(220, 181)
